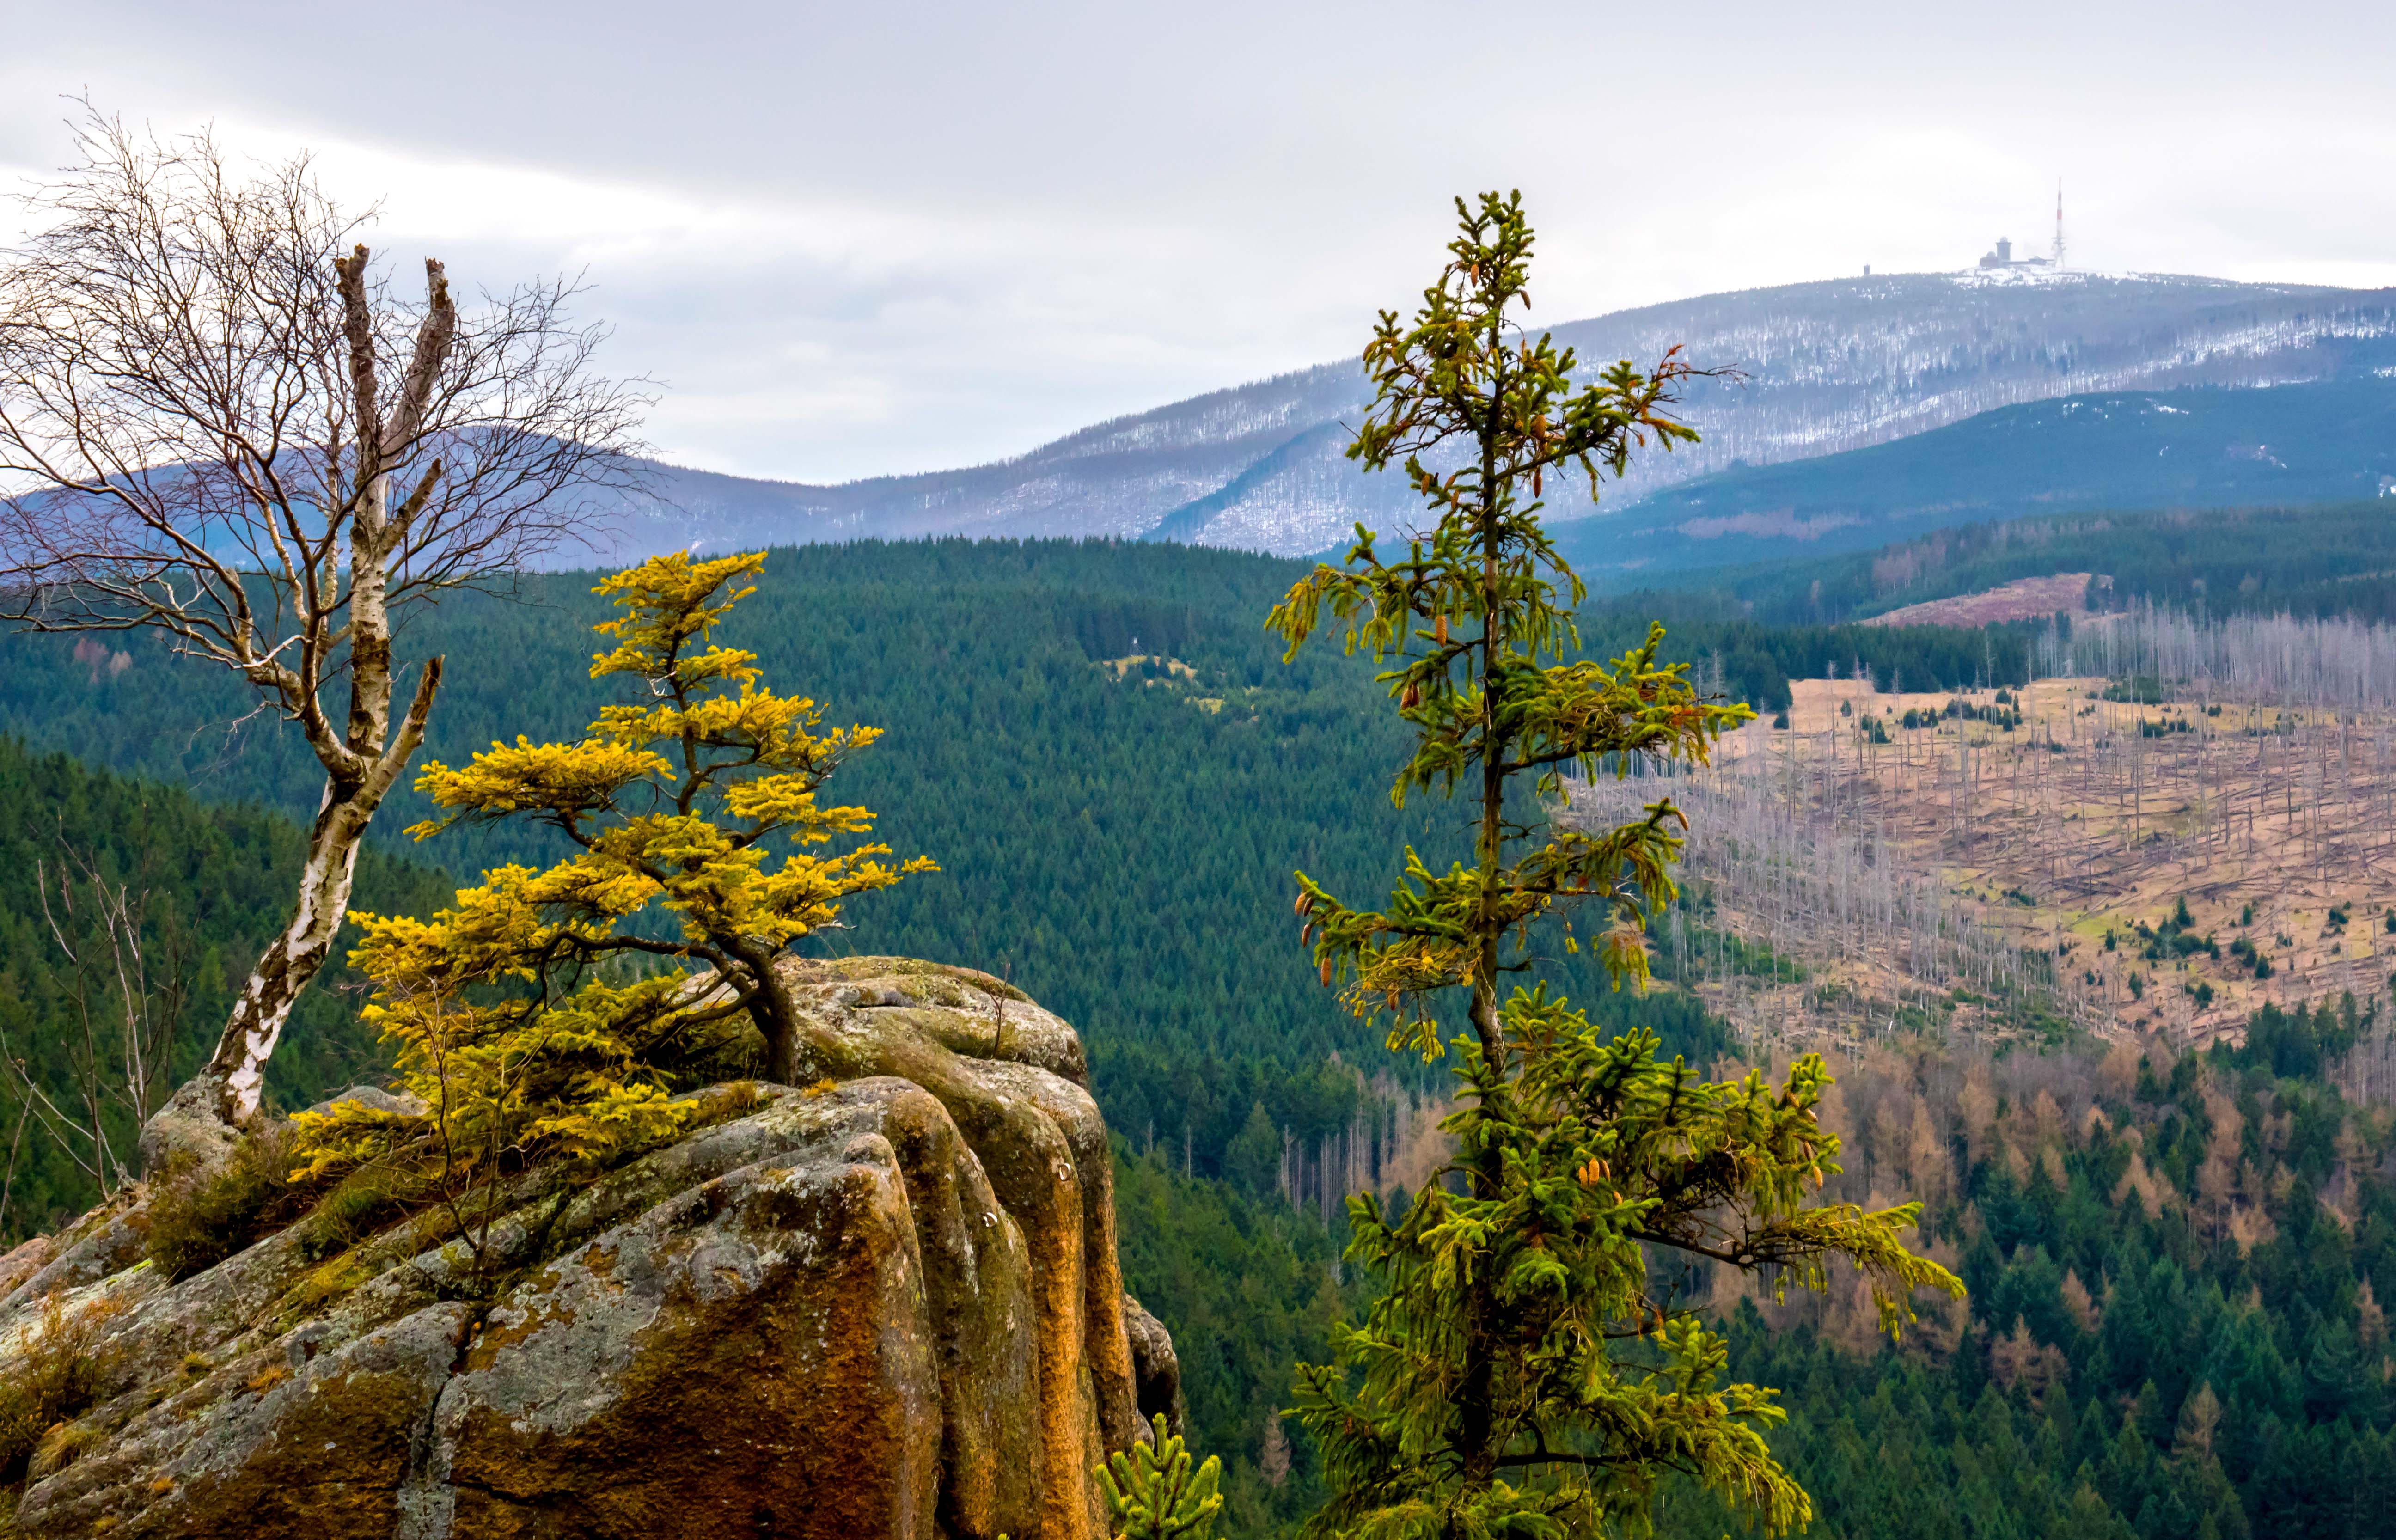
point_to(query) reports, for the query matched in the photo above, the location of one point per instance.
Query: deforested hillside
(1823, 367)
(2146, 823)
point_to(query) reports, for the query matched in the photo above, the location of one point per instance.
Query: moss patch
(199, 1218)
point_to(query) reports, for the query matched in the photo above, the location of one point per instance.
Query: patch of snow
(2017, 277)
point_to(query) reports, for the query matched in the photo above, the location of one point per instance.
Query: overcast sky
(864, 238)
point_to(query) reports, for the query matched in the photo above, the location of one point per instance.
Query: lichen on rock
(887, 1303)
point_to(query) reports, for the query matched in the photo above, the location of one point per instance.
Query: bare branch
(209, 392)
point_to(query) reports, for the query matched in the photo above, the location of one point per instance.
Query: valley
(1895, 896)
(2087, 807)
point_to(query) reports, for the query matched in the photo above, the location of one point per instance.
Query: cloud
(854, 240)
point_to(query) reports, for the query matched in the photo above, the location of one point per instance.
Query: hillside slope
(2311, 559)
(2323, 442)
(1825, 366)
(1097, 741)
(210, 884)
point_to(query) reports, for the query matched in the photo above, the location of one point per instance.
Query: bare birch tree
(222, 420)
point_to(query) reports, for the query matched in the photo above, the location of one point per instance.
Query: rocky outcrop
(1156, 1369)
(886, 1303)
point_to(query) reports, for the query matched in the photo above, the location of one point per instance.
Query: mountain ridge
(2317, 442)
(1823, 366)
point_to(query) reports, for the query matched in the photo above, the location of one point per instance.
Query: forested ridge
(2313, 442)
(2322, 560)
(212, 881)
(1097, 740)
(2177, 1269)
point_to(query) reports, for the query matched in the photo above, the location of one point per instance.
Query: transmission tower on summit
(2003, 259)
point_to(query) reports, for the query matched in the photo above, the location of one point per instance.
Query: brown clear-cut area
(887, 1304)
(2023, 598)
(1973, 863)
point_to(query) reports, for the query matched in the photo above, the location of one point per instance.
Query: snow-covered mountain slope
(1825, 367)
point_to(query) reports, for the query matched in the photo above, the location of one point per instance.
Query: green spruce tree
(1533, 1367)
(1154, 1492)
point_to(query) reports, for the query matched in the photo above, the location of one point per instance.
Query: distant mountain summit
(1821, 367)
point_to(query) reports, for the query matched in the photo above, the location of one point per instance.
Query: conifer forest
(2170, 1199)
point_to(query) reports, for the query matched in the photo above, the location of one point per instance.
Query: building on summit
(2004, 257)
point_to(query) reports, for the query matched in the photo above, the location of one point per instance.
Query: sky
(849, 240)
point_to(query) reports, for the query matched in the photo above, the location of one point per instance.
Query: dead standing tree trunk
(363, 760)
(222, 425)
